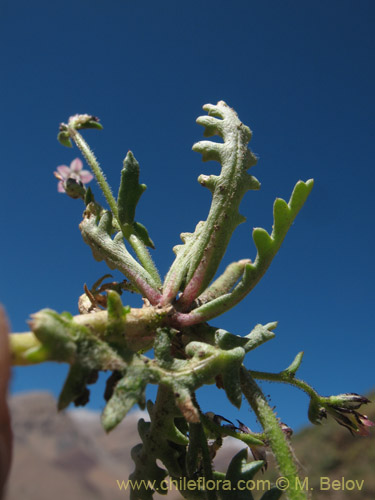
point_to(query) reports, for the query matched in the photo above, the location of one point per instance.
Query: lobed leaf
(128, 391)
(240, 470)
(130, 190)
(194, 269)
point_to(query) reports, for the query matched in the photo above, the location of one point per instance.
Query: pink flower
(344, 411)
(74, 172)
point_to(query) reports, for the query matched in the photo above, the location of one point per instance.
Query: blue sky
(300, 74)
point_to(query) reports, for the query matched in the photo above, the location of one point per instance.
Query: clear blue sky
(300, 74)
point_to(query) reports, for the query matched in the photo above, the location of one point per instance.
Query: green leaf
(162, 348)
(226, 340)
(145, 470)
(130, 190)
(114, 306)
(262, 240)
(293, 367)
(105, 222)
(89, 197)
(315, 412)
(272, 494)
(259, 335)
(240, 470)
(74, 386)
(93, 124)
(128, 391)
(64, 138)
(203, 255)
(142, 234)
(83, 121)
(114, 252)
(232, 383)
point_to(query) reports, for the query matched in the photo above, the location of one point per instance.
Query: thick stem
(139, 327)
(26, 349)
(275, 435)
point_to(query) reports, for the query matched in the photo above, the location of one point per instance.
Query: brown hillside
(68, 455)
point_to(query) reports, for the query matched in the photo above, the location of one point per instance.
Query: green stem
(286, 379)
(137, 244)
(274, 433)
(249, 439)
(136, 330)
(26, 349)
(144, 257)
(94, 164)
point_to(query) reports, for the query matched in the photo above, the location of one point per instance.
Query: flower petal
(86, 176)
(60, 187)
(366, 421)
(64, 171)
(75, 176)
(76, 165)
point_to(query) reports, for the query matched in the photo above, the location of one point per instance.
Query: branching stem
(286, 379)
(137, 244)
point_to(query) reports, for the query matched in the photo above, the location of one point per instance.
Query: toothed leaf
(145, 469)
(262, 240)
(239, 470)
(196, 265)
(128, 391)
(142, 234)
(115, 254)
(267, 246)
(130, 190)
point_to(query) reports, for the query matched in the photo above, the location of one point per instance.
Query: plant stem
(144, 257)
(275, 435)
(137, 244)
(286, 379)
(94, 164)
(26, 349)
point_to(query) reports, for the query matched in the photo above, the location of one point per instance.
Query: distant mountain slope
(59, 456)
(68, 455)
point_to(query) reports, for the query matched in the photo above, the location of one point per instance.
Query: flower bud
(74, 188)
